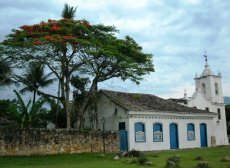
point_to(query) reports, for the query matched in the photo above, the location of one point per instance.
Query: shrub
(134, 153)
(170, 164)
(155, 155)
(134, 160)
(226, 159)
(173, 162)
(142, 159)
(203, 164)
(199, 158)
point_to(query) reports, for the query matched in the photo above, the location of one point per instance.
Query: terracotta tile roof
(147, 102)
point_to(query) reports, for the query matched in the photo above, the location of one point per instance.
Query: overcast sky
(176, 32)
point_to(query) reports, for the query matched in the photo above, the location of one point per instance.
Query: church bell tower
(210, 84)
(209, 96)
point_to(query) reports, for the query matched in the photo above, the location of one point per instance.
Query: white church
(146, 122)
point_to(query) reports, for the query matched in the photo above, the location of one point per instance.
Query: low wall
(17, 142)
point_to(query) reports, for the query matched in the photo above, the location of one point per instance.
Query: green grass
(96, 160)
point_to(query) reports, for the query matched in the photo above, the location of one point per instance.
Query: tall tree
(35, 78)
(67, 46)
(110, 57)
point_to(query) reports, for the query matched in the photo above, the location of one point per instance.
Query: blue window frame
(190, 132)
(139, 132)
(157, 132)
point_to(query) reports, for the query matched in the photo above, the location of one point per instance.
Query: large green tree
(68, 46)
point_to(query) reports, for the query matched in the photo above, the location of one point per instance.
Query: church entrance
(173, 136)
(203, 135)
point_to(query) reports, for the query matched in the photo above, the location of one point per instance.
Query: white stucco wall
(166, 120)
(213, 100)
(106, 108)
(199, 101)
(210, 89)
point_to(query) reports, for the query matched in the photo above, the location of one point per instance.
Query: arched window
(139, 132)
(157, 132)
(219, 114)
(216, 88)
(203, 88)
(190, 132)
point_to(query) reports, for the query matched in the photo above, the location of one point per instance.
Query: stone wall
(55, 141)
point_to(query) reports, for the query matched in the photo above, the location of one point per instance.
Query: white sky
(176, 32)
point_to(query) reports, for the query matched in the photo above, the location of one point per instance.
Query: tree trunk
(67, 103)
(34, 97)
(95, 107)
(58, 107)
(86, 101)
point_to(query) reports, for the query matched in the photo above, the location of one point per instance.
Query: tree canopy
(68, 47)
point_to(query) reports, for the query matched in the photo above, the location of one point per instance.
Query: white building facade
(146, 122)
(209, 96)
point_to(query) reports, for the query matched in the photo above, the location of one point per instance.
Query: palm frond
(22, 105)
(26, 89)
(68, 12)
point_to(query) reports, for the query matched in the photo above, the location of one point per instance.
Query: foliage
(173, 162)
(199, 158)
(7, 106)
(142, 159)
(79, 83)
(68, 46)
(68, 12)
(27, 115)
(55, 113)
(35, 77)
(226, 159)
(5, 72)
(132, 153)
(202, 164)
(155, 155)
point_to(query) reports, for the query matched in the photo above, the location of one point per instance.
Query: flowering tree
(70, 46)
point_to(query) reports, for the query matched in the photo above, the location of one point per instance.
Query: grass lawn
(96, 160)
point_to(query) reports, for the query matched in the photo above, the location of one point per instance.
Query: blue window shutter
(157, 127)
(139, 132)
(190, 127)
(190, 132)
(157, 132)
(139, 127)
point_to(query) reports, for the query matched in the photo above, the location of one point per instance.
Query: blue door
(173, 136)
(203, 135)
(123, 140)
